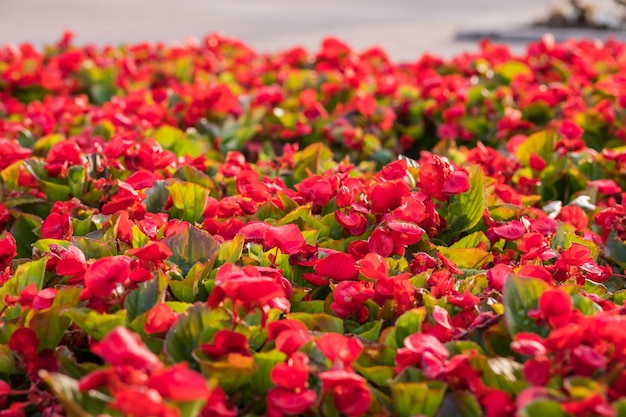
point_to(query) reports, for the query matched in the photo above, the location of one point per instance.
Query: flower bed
(203, 230)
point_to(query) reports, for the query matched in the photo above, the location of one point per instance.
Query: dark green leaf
(190, 246)
(417, 398)
(467, 208)
(93, 323)
(521, 295)
(460, 404)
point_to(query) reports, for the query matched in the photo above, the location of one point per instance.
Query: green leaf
(541, 143)
(314, 159)
(92, 248)
(319, 322)
(75, 402)
(182, 337)
(7, 361)
(189, 201)
(93, 323)
(472, 241)
(27, 273)
(542, 408)
(23, 230)
(76, 180)
(417, 398)
(141, 300)
(190, 246)
(230, 251)
(49, 326)
(187, 289)
(156, 197)
(460, 404)
(511, 69)
(466, 258)
(467, 208)
(261, 381)
(380, 376)
(408, 324)
(521, 295)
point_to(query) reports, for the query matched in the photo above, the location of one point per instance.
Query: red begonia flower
(277, 327)
(338, 266)
(138, 401)
(337, 347)
(152, 252)
(159, 319)
(575, 255)
(287, 238)
(121, 347)
(8, 250)
(556, 307)
(498, 403)
(289, 341)
(374, 266)
(103, 275)
(529, 344)
(179, 383)
(350, 392)
(575, 216)
(570, 130)
(281, 401)
(293, 374)
(225, 342)
(537, 371)
(381, 242)
(57, 226)
(510, 231)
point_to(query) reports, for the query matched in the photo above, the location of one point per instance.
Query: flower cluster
(202, 230)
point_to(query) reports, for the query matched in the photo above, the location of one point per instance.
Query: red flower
(248, 287)
(339, 348)
(293, 374)
(38, 300)
(570, 130)
(374, 266)
(537, 371)
(556, 307)
(57, 226)
(289, 341)
(575, 255)
(498, 403)
(337, 266)
(121, 347)
(275, 328)
(419, 345)
(349, 298)
(225, 342)
(510, 231)
(287, 238)
(350, 392)
(138, 401)
(179, 383)
(387, 196)
(440, 179)
(8, 250)
(281, 401)
(103, 276)
(159, 319)
(575, 216)
(153, 252)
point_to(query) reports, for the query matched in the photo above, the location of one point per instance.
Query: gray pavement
(405, 28)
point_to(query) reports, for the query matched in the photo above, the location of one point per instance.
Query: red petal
(337, 266)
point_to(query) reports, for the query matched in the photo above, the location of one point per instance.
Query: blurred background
(405, 28)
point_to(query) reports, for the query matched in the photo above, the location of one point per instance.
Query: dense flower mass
(202, 230)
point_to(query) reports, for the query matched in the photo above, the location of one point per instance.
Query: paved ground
(405, 28)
